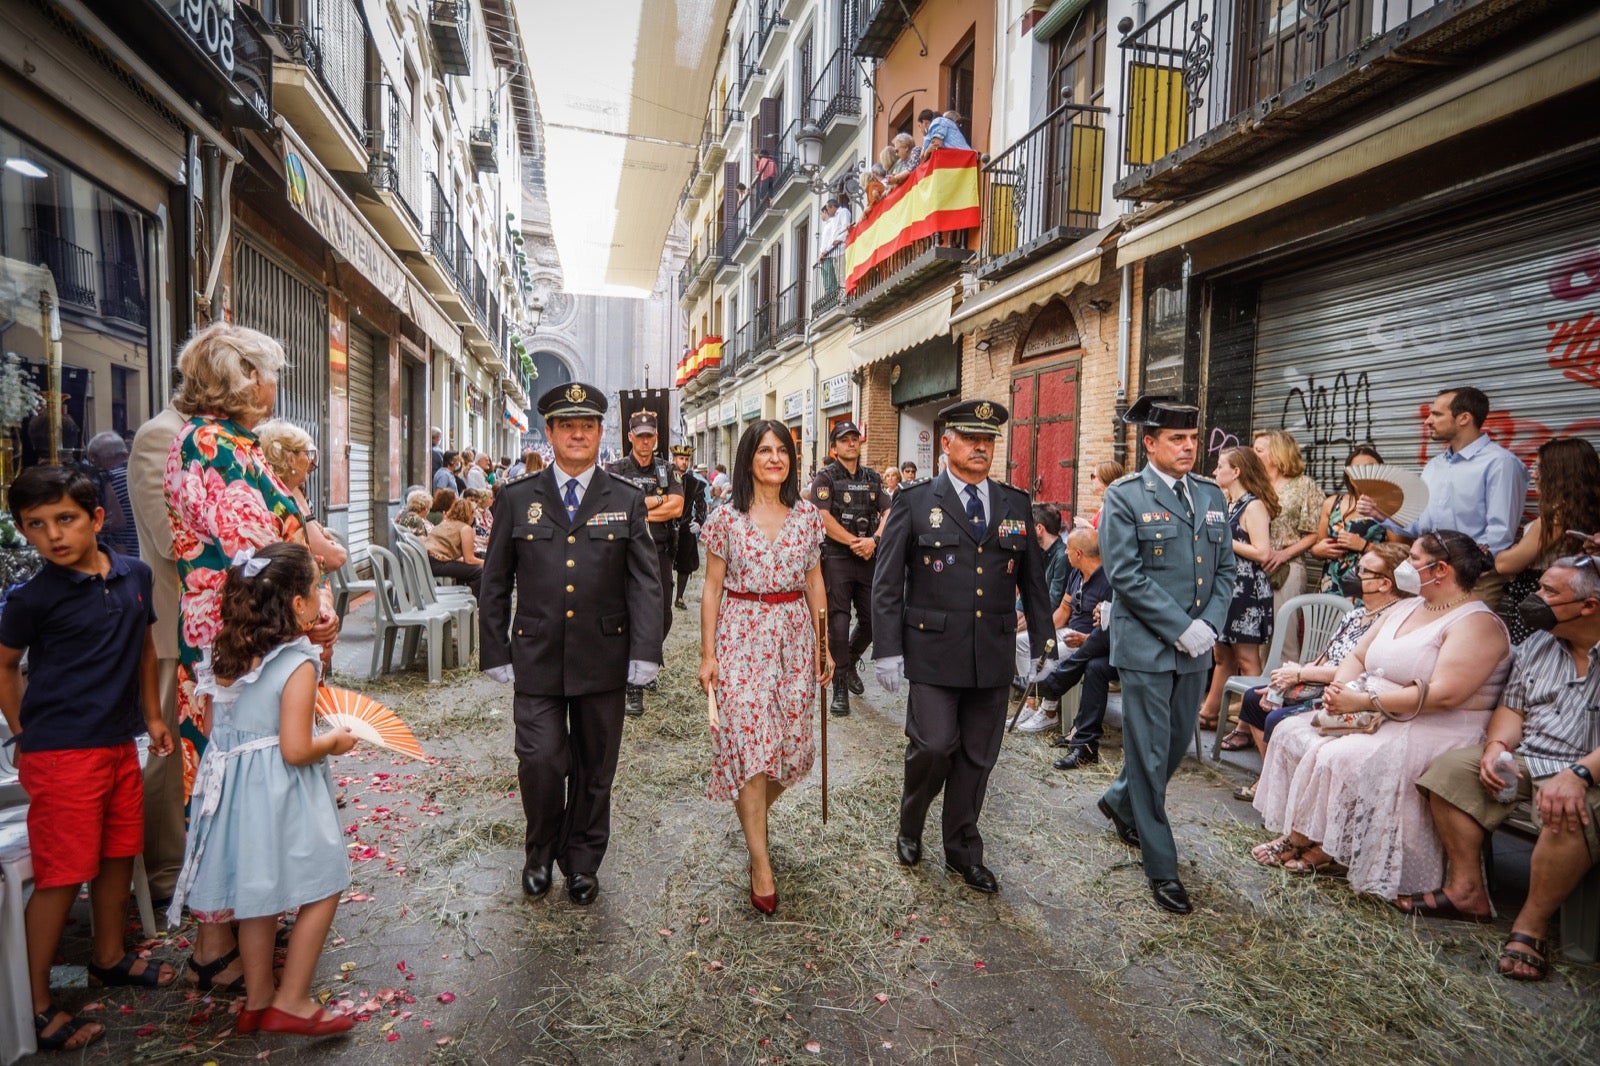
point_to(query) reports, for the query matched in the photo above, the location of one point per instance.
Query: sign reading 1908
(210, 24)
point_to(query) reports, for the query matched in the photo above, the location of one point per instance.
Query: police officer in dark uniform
(572, 541)
(956, 552)
(686, 559)
(853, 505)
(663, 495)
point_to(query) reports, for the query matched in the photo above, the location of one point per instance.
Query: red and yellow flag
(940, 196)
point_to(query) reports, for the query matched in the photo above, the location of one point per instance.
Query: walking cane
(822, 704)
(1033, 686)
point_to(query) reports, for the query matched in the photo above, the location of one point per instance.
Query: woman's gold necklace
(1441, 608)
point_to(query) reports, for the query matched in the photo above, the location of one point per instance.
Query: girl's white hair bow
(245, 559)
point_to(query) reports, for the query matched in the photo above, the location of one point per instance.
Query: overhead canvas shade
(623, 89)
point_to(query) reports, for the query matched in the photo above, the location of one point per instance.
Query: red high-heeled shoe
(248, 1020)
(321, 1023)
(764, 904)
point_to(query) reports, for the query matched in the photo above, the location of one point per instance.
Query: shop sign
(699, 423)
(314, 196)
(751, 407)
(730, 412)
(793, 405)
(223, 48)
(836, 391)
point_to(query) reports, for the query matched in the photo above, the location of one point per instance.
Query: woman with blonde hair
(453, 547)
(222, 498)
(1297, 525)
(413, 518)
(292, 455)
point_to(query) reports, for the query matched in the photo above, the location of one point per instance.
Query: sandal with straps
(121, 973)
(206, 973)
(1540, 965)
(1275, 852)
(61, 1039)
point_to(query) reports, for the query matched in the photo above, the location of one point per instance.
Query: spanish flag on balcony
(680, 376)
(710, 353)
(941, 195)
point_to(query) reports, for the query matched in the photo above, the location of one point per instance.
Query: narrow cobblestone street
(867, 961)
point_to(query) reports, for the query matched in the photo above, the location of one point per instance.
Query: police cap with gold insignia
(843, 429)
(1162, 412)
(683, 449)
(975, 417)
(642, 422)
(573, 400)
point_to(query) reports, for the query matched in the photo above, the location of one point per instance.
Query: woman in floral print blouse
(221, 498)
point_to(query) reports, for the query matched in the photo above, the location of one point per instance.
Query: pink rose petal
(813, 1047)
(446, 997)
(881, 997)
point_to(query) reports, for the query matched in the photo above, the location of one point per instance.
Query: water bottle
(1505, 768)
(1271, 699)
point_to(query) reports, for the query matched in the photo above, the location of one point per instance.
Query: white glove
(641, 673)
(502, 674)
(694, 529)
(890, 672)
(1197, 639)
(1042, 671)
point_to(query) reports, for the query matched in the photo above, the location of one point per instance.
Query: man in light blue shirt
(940, 131)
(1474, 486)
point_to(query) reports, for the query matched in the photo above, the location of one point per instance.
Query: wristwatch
(1583, 772)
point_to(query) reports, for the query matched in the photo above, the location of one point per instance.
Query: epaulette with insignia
(915, 484)
(1204, 479)
(522, 477)
(1127, 477)
(624, 481)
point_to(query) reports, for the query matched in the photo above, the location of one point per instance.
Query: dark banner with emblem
(656, 400)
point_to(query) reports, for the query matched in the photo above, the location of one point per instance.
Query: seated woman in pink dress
(759, 651)
(1349, 804)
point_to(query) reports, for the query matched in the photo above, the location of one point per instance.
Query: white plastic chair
(1321, 613)
(395, 612)
(16, 996)
(426, 593)
(346, 585)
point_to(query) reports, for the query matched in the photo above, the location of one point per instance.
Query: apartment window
(1078, 59)
(959, 83)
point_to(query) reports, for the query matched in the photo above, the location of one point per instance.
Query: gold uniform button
(1199, 581)
(980, 570)
(519, 632)
(528, 537)
(570, 540)
(921, 626)
(571, 563)
(1198, 559)
(1158, 536)
(611, 536)
(978, 614)
(980, 551)
(570, 588)
(569, 614)
(980, 592)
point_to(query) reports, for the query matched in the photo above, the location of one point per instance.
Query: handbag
(1334, 724)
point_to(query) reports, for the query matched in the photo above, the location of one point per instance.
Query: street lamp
(809, 143)
(535, 313)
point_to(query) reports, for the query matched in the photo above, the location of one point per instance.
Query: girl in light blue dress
(264, 834)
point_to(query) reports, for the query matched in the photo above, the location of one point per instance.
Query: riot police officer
(854, 506)
(695, 493)
(663, 495)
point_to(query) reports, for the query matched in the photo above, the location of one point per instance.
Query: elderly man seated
(1547, 719)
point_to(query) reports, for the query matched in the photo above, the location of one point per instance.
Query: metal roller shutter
(363, 435)
(278, 302)
(1355, 350)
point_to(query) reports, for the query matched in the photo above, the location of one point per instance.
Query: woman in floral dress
(759, 651)
(221, 497)
(1251, 507)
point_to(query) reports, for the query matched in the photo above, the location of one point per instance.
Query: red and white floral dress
(766, 652)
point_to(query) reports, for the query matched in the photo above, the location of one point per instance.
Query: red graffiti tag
(1574, 349)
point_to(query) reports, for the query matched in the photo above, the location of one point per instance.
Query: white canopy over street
(623, 88)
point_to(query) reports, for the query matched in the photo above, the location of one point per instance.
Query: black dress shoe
(1125, 832)
(908, 850)
(976, 875)
(680, 605)
(852, 680)
(583, 888)
(1078, 756)
(536, 879)
(1170, 896)
(633, 701)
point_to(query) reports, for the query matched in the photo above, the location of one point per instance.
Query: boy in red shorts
(84, 621)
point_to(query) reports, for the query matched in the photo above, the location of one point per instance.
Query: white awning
(920, 322)
(1077, 264)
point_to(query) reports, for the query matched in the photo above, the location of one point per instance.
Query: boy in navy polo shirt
(84, 621)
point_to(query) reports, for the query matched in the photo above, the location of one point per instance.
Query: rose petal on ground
(144, 1030)
(442, 1041)
(392, 1037)
(664, 931)
(90, 1008)
(446, 997)
(881, 997)
(813, 1047)
(977, 965)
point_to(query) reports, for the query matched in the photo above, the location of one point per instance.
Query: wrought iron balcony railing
(1045, 189)
(836, 93)
(335, 51)
(791, 316)
(449, 24)
(442, 226)
(122, 293)
(70, 265)
(827, 285)
(394, 162)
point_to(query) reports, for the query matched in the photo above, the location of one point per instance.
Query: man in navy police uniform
(1166, 546)
(955, 552)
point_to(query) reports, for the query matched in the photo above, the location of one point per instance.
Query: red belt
(766, 597)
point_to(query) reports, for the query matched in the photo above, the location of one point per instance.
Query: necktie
(1183, 497)
(571, 498)
(975, 512)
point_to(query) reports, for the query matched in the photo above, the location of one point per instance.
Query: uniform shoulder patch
(1127, 477)
(621, 480)
(917, 484)
(522, 477)
(1204, 480)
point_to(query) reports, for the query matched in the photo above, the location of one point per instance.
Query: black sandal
(205, 974)
(122, 973)
(58, 1040)
(1540, 965)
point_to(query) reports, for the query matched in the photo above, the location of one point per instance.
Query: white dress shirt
(983, 495)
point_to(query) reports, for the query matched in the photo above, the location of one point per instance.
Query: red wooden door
(1044, 437)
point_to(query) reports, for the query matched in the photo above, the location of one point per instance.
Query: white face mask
(1406, 578)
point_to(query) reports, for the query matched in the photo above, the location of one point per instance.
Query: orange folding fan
(367, 719)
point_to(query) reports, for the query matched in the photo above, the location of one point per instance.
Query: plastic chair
(346, 585)
(1321, 612)
(16, 997)
(395, 612)
(425, 594)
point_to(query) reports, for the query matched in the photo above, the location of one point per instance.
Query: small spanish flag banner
(940, 196)
(710, 352)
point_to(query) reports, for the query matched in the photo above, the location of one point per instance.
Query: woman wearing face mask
(1347, 804)
(1346, 534)
(1252, 505)
(1372, 587)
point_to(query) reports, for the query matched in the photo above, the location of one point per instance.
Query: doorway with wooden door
(1042, 457)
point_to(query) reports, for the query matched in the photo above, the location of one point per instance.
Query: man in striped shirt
(1549, 719)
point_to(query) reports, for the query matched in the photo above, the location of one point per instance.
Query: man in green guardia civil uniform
(1166, 547)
